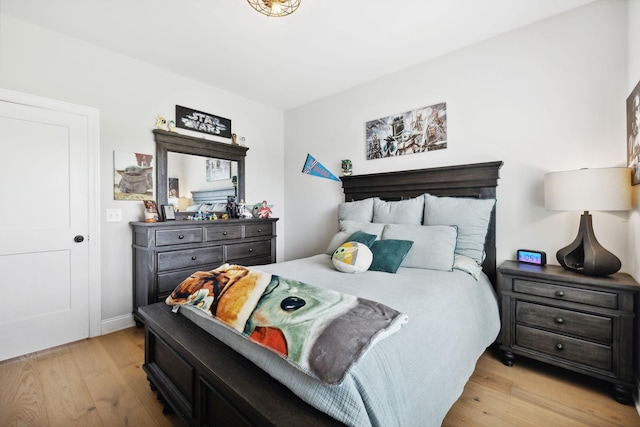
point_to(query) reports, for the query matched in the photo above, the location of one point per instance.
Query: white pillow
(359, 210)
(433, 246)
(471, 216)
(467, 265)
(409, 211)
(347, 228)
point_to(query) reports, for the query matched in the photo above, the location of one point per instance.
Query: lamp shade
(603, 189)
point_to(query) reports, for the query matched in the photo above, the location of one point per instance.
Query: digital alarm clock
(528, 256)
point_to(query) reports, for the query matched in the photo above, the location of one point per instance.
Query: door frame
(93, 165)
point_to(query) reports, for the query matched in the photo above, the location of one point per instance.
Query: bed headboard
(477, 180)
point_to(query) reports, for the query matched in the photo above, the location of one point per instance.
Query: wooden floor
(100, 382)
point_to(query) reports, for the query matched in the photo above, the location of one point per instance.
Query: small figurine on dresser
(161, 122)
(264, 211)
(346, 167)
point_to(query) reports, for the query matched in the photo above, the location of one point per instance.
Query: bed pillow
(389, 254)
(408, 211)
(467, 265)
(359, 210)
(433, 246)
(352, 257)
(471, 216)
(347, 228)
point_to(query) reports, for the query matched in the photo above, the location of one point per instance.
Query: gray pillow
(408, 211)
(471, 216)
(360, 210)
(433, 246)
(347, 228)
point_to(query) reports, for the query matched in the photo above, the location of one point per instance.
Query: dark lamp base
(585, 255)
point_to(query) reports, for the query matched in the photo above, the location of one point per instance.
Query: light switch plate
(114, 215)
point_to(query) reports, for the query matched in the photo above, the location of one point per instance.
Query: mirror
(204, 169)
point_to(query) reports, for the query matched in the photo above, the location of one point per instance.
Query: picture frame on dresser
(168, 212)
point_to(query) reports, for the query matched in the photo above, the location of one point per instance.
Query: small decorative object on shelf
(264, 211)
(346, 167)
(161, 122)
(171, 125)
(150, 211)
(234, 138)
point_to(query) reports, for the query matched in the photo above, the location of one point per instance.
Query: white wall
(129, 94)
(548, 97)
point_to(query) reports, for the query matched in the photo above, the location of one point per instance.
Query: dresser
(165, 253)
(581, 323)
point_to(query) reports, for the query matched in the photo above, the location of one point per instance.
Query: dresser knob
(559, 320)
(224, 233)
(181, 236)
(250, 249)
(194, 257)
(259, 230)
(559, 293)
(559, 347)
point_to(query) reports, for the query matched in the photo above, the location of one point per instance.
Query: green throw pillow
(362, 237)
(388, 254)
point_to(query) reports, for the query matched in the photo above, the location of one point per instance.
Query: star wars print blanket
(323, 332)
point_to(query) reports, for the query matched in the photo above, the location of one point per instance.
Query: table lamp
(605, 189)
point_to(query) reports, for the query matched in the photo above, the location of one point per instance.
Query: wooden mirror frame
(167, 142)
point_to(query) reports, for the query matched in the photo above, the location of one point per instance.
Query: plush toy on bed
(352, 257)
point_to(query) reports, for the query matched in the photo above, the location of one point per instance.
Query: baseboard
(117, 323)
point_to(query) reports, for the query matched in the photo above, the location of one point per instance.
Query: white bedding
(412, 377)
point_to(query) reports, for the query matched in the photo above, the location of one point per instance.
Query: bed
(208, 376)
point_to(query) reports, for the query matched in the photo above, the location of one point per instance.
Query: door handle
(78, 239)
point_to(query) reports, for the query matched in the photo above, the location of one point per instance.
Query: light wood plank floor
(100, 382)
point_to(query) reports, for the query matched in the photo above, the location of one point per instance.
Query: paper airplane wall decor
(313, 167)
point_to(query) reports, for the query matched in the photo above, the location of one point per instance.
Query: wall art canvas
(132, 176)
(633, 134)
(416, 131)
(195, 120)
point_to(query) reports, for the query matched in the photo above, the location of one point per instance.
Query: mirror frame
(177, 143)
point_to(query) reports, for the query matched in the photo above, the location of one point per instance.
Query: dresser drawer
(584, 352)
(246, 250)
(224, 233)
(177, 237)
(583, 325)
(257, 230)
(168, 281)
(189, 258)
(566, 293)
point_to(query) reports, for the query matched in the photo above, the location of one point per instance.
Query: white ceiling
(325, 47)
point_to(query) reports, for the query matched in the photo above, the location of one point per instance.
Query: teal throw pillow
(388, 254)
(362, 237)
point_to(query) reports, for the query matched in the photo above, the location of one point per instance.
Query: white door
(44, 228)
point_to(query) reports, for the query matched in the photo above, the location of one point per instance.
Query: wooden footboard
(206, 383)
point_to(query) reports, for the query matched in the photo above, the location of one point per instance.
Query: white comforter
(410, 378)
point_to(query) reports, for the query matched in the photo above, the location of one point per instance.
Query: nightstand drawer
(582, 325)
(224, 233)
(584, 352)
(566, 293)
(178, 237)
(189, 258)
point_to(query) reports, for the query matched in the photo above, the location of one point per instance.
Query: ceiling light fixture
(275, 7)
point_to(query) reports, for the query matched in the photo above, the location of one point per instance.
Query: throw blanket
(322, 332)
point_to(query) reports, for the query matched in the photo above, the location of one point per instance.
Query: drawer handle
(259, 230)
(181, 236)
(559, 293)
(559, 347)
(224, 233)
(559, 320)
(250, 249)
(194, 257)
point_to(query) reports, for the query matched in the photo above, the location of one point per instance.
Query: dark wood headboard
(477, 180)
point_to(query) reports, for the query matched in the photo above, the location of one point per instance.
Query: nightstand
(581, 323)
